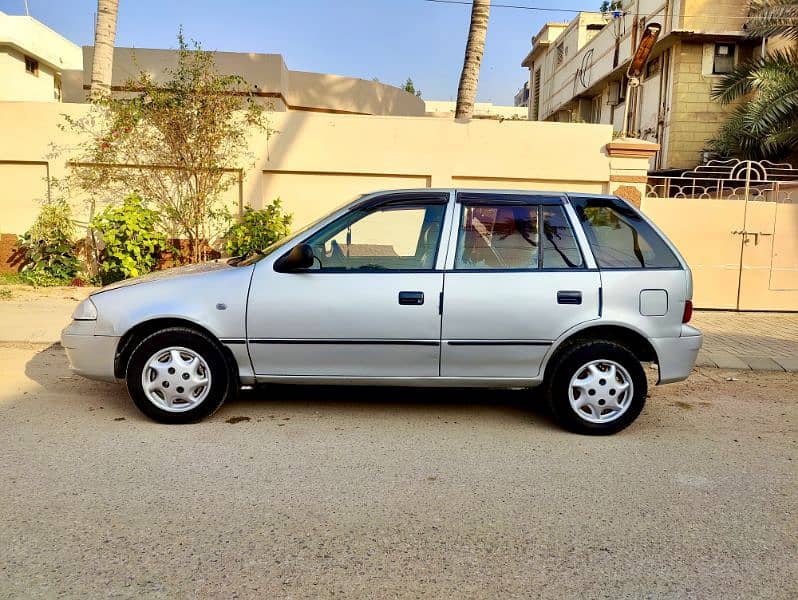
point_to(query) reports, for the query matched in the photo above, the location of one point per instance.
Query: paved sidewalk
(38, 316)
(732, 340)
(748, 340)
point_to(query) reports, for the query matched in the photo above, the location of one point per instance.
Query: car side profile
(426, 287)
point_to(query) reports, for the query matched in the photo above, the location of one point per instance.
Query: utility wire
(575, 11)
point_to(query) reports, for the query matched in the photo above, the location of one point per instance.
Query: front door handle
(569, 297)
(411, 298)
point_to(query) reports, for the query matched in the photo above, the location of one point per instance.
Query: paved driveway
(320, 492)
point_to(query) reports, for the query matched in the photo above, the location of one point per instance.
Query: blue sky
(387, 39)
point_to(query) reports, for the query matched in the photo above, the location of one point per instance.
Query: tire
(586, 390)
(179, 375)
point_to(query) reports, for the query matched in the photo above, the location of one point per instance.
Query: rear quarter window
(620, 238)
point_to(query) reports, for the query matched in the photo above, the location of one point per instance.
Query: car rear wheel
(597, 388)
(178, 375)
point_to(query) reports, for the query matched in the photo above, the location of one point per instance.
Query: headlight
(86, 311)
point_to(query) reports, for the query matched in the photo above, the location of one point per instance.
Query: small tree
(258, 230)
(180, 142)
(610, 6)
(130, 239)
(410, 88)
(47, 248)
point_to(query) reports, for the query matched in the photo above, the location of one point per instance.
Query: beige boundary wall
(317, 161)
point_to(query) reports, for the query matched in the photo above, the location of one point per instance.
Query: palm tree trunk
(104, 37)
(467, 90)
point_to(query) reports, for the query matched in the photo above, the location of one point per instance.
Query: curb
(727, 360)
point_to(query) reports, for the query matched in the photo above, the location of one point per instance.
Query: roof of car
(460, 190)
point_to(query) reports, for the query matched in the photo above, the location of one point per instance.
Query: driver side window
(389, 238)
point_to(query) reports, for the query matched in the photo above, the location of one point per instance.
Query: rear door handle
(411, 298)
(569, 297)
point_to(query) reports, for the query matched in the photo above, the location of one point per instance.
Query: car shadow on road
(49, 368)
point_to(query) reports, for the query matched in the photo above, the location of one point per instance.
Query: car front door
(514, 283)
(369, 306)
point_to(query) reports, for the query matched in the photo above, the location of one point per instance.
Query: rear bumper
(89, 355)
(677, 355)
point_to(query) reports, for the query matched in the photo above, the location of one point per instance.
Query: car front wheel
(597, 388)
(178, 375)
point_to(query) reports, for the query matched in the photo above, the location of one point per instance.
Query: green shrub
(258, 229)
(131, 241)
(47, 247)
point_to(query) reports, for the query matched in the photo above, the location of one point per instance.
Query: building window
(595, 110)
(559, 53)
(593, 29)
(31, 65)
(653, 67)
(616, 92)
(536, 96)
(723, 61)
(57, 88)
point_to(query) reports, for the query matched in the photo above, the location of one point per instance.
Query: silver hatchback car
(424, 287)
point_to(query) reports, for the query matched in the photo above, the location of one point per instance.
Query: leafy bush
(47, 247)
(131, 241)
(258, 229)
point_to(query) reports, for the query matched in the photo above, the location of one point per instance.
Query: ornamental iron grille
(730, 180)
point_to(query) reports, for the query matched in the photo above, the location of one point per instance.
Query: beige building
(482, 110)
(521, 97)
(270, 78)
(39, 65)
(33, 59)
(577, 72)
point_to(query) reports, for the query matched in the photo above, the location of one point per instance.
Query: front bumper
(89, 355)
(677, 355)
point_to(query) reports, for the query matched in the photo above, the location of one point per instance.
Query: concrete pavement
(364, 493)
(749, 340)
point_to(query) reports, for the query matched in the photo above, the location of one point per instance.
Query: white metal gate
(736, 222)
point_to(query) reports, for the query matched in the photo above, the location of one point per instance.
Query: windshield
(260, 255)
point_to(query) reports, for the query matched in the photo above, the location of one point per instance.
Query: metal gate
(736, 222)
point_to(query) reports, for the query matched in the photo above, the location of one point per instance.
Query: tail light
(688, 311)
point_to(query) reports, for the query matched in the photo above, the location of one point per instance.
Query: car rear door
(516, 279)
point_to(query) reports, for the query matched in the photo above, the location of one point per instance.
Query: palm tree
(104, 37)
(475, 47)
(765, 123)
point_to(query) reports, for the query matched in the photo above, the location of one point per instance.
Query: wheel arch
(630, 338)
(131, 338)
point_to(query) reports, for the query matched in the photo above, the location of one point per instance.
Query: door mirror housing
(299, 257)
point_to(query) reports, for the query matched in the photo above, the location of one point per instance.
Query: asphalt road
(381, 493)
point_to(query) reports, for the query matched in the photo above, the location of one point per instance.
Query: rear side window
(620, 238)
(510, 237)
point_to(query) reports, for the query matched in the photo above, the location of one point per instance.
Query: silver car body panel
(493, 329)
(90, 354)
(214, 297)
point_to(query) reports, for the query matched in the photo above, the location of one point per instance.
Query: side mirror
(299, 257)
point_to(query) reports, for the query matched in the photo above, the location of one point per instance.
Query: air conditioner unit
(616, 93)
